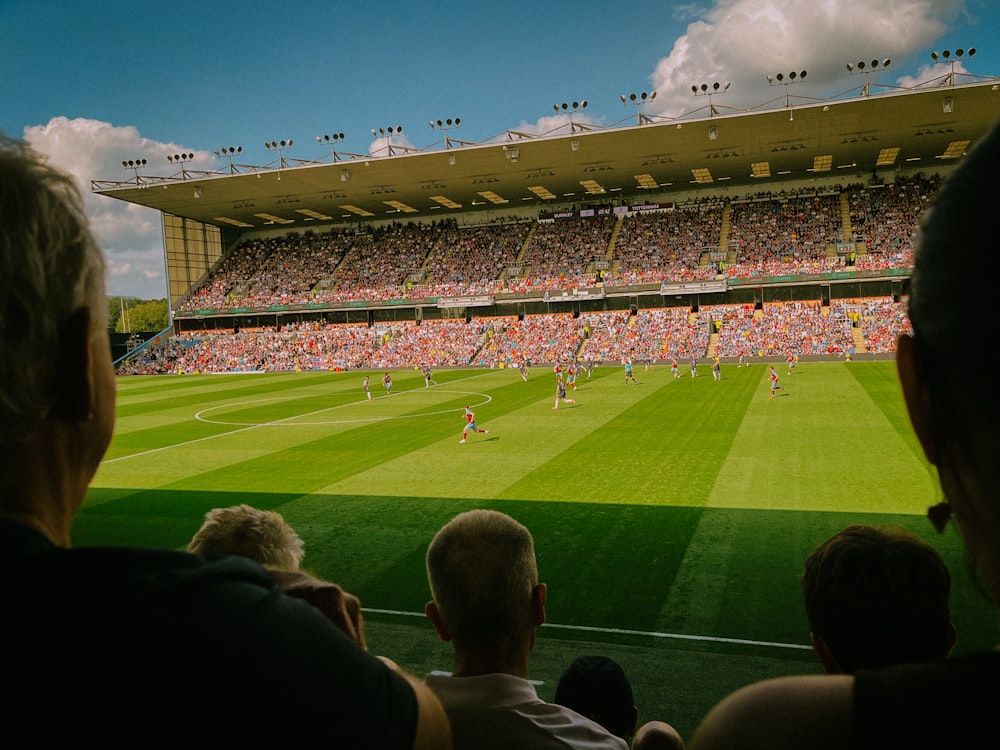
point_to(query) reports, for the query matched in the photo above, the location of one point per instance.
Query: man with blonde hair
(488, 603)
(265, 537)
(261, 535)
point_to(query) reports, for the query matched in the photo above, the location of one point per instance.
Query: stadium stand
(793, 242)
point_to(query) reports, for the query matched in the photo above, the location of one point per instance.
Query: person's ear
(825, 655)
(434, 615)
(538, 604)
(916, 394)
(952, 637)
(74, 386)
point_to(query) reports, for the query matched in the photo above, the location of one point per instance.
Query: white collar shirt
(501, 711)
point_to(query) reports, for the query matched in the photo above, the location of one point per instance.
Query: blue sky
(92, 84)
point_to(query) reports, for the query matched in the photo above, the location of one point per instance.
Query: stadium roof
(655, 159)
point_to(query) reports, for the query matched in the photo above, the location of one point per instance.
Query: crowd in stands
(443, 343)
(534, 338)
(559, 253)
(882, 320)
(768, 235)
(379, 262)
(666, 246)
(648, 335)
(773, 330)
(784, 235)
(885, 217)
(471, 261)
(778, 328)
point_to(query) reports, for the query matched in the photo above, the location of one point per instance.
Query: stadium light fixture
(446, 125)
(866, 69)
(228, 152)
(280, 147)
(570, 109)
(952, 59)
(387, 133)
(181, 159)
(638, 100)
(135, 165)
(710, 91)
(787, 79)
(332, 139)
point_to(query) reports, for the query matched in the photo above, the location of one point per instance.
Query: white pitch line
(179, 445)
(287, 421)
(276, 422)
(623, 631)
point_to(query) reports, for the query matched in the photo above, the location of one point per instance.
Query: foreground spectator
(949, 703)
(129, 646)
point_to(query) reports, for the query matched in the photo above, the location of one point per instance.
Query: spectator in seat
(488, 603)
(125, 645)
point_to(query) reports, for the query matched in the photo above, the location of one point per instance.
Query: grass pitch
(671, 517)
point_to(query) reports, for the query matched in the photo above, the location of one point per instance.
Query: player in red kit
(773, 375)
(470, 424)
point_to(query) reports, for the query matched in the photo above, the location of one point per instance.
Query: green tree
(132, 314)
(115, 305)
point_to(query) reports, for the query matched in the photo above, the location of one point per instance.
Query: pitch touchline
(623, 631)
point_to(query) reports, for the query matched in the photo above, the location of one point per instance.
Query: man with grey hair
(126, 645)
(266, 537)
(488, 602)
(261, 535)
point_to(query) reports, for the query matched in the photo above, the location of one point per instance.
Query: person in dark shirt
(142, 647)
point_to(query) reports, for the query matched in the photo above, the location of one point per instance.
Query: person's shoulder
(813, 711)
(181, 595)
(136, 628)
(972, 678)
(964, 688)
(126, 568)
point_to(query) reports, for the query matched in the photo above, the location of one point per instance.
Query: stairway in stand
(859, 341)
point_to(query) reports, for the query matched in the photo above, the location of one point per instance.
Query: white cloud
(743, 41)
(130, 235)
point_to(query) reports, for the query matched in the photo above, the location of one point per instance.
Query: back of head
(956, 243)
(878, 596)
(596, 686)
(261, 535)
(481, 569)
(951, 313)
(657, 735)
(50, 265)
